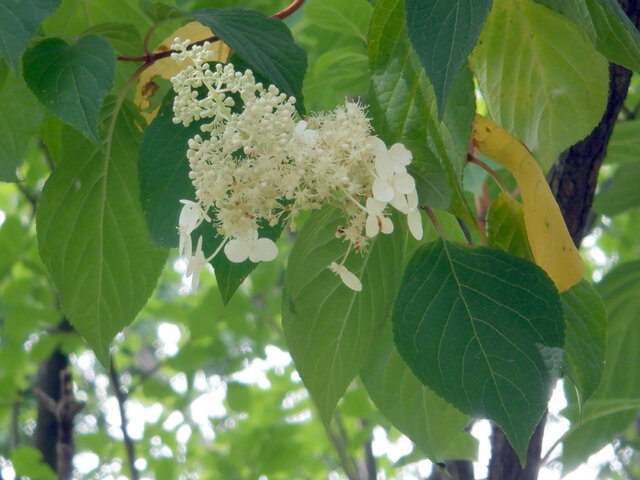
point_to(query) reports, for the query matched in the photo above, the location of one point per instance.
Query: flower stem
(434, 220)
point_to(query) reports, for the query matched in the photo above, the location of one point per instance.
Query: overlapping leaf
(599, 422)
(443, 33)
(430, 422)
(484, 330)
(606, 24)
(329, 328)
(20, 118)
(585, 338)
(546, 92)
(506, 229)
(92, 235)
(19, 21)
(72, 80)
(402, 106)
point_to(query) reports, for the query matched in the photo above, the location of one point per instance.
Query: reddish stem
(150, 57)
(434, 220)
(473, 159)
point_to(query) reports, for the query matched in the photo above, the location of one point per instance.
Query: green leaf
(72, 80)
(443, 33)
(620, 193)
(329, 328)
(28, 461)
(600, 424)
(92, 235)
(264, 43)
(349, 18)
(547, 93)
(585, 337)
(160, 12)
(484, 330)
(19, 21)
(403, 108)
(336, 73)
(164, 173)
(124, 37)
(605, 23)
(430, 422)
(505, 227)
(20, 118)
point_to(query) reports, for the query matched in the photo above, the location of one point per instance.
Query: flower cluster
(255, 165)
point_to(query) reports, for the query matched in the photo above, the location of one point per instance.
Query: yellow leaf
(550, 242)
(167, 68)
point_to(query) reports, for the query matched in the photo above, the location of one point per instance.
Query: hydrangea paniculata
(254, 164)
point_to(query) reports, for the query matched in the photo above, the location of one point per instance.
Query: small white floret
(376, 221)
(347, 277)
(255, 249)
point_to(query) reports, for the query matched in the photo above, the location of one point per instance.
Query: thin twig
(473, 159)
(121, 396)
(434, 220)
(150, 57)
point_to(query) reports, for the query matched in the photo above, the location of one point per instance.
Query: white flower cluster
(254, 165)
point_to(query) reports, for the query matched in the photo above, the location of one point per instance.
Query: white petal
(415, 223)
(371, 227)
(412, 199)
(185, 247)
(403, 183)
(190, 215)
(375, 207)
(401, 157)
(348, 278)
(384, 167)
(399, 202)
(237, 250)
(386, 224)
(263, 250)
(377, 145)
(382, 191)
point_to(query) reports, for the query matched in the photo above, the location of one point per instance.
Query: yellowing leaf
(167, 68)
(550, 242)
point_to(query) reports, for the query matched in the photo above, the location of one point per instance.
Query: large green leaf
(329, 328)
(92, 234)
(546, 92)
(620, 382)
(403, 108)
(606, 24)
(349, 18)
(443, 33)
(484, 330)
(19, 21)
(585, 337)
(72, 80)
(430, 422)
(20, 119)
(264, 43)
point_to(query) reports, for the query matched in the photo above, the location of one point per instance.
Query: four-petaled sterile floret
(254, 164)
